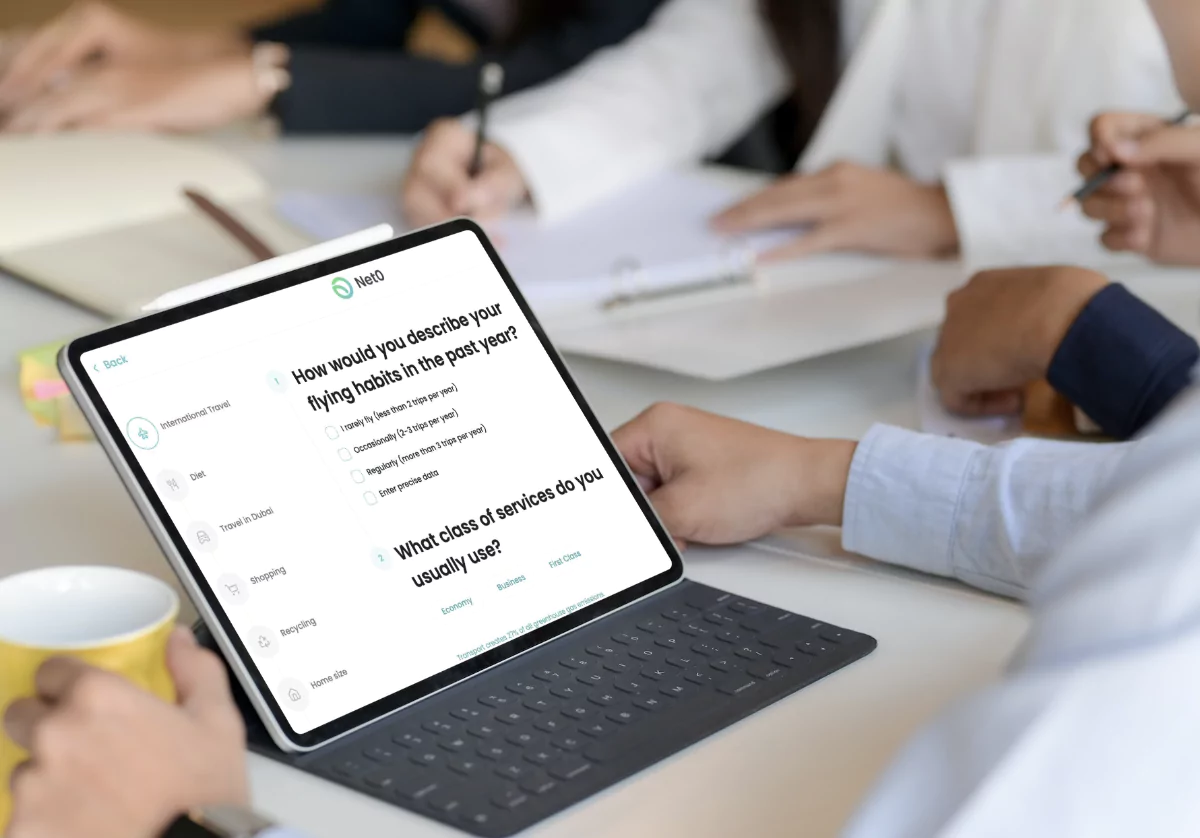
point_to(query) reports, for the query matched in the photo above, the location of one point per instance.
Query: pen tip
(1067, 203)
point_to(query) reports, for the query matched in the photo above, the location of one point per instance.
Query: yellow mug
(115, 619)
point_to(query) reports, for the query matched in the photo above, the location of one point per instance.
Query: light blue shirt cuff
(902, 498)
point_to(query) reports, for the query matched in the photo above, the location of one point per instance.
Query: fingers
(1128, 239)
(1114, 136)
(1119, 210)
(201, 682)
(1178, 144)
(635, 441)
(75, 106)
(22, 718)
(797, 199)
(825, 238)
(1002, 403)
(61, 46)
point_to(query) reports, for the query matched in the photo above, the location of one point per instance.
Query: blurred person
(980, 104)
(342, 68)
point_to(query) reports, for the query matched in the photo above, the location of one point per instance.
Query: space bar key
(690, 727)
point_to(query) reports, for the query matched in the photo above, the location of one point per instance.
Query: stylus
(491, 83)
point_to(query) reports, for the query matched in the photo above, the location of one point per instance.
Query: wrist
(1068, 293)
(203, 44)
(822, 469)
(943, 231)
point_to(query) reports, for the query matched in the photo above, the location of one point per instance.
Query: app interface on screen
(380, 473)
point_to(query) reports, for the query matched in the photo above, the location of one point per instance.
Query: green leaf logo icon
(342, 287)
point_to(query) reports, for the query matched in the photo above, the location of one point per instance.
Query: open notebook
(100, 219)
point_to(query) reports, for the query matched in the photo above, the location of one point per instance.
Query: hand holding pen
(1143, 182)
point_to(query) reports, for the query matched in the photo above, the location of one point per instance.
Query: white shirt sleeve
(987, 515)
(1094, 730)
(684, 87)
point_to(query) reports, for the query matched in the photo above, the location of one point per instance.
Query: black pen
(1096, 181)
(491, 82)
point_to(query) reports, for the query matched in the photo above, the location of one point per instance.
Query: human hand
(439, 186)
(108, 760)
(714, 480)
(89, 30)
(1152, 206)
(1001, 332)
(161, 97)
(850, 207)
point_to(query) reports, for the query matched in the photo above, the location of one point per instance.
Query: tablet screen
(381, 473)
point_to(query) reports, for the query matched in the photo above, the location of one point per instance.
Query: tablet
(374, 476)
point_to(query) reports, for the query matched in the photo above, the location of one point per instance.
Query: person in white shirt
(953, 129)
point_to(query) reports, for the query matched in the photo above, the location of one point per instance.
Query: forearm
(1122, 363)
(986, 515)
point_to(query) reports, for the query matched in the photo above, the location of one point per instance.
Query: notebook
(100, 220)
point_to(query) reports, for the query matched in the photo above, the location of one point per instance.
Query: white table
(799, 766)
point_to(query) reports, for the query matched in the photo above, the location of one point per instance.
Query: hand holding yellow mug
(113, 619)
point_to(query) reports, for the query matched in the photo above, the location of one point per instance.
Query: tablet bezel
(188, 569)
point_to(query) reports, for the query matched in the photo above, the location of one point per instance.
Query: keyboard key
(550, 676)
(512, 771)
(576, 711)
(524, 738)
(567, 743)
(465, 766)
(622, 717)
(591, 678)
(483, 730)
(750, 653)
(476, 817)
(812, 647)
(577, 663)
(719, 619)
(618, 666)
(538, 704)
(703, 648)
(833, 634)
(702, 598)
(509, 798)
(445, 802)
(522, 687)
(453, 744)
(550, 724)
(650, 702)
(380, 754)
(741, 606)
(737, 685)
(467, 714)
(569, 768)
(646, 653)
(696, 630)
(656, 673)
(493, 751)
(414, 787)
(625, 639)
(724, 664)
(567, 691)
(765, 671)
(512, 717)
(670, 642)
(408, 740)
(538, 783)
(426, 757)
(602, 699)
(439, 726)
(382, 780)
(630, 685)
(601, 650)
(772, 623)
(495, 700)
(541, 756)
(683, 661)
(731, 636)
(349, 768)
(597, 730)
(790, 659)
(676, 690)
(651, 625)
(676, 616)
(698, 676)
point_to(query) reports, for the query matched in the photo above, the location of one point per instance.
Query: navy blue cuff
(1122, 362)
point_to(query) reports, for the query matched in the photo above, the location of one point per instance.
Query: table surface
(802, 763)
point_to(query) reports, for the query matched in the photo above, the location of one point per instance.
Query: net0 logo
(345, 290)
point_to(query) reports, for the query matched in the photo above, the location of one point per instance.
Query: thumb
(676, 505)
(492, 192)
(201, 683)
(1173, 144)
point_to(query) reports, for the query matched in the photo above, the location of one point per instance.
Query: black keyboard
(525, 740)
